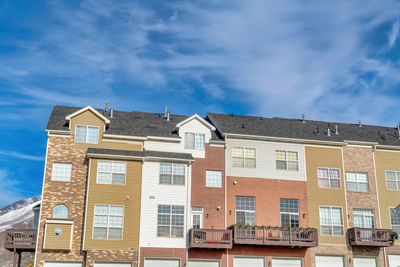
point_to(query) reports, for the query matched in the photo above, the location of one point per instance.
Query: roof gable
(198, 118)
(98, 114)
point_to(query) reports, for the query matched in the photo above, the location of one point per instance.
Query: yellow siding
(116, 195)
(329, 158)
(58, 242)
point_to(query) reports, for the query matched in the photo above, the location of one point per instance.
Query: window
(214, 178)
(331, 221)
(111, 172)
(171, 173)
(244, 157)
(287, 160)
(87, 134)
(363, 218)
(357, 181)
(246, 210)
(170, 221)
(197, 217)
(290, 212)
(61, 172)
(393, 180)
(195, 141)
(60, 212)
(395, 221)
(108, 222)
(328, 178)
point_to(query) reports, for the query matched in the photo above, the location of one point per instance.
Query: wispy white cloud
(20, 155)
(394, 33)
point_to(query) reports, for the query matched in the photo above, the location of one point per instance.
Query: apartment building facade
(147, 189)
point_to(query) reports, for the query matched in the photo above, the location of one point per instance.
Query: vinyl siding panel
(58, 242)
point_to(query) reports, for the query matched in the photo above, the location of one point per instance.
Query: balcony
(210, 238)
(276, 236)
(371, 237)
(20, 239)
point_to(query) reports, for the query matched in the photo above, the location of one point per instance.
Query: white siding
(154, 194)
(265, 162)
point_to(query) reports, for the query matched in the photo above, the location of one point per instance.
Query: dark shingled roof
(144, 153)
(125, 123)
(294, 128)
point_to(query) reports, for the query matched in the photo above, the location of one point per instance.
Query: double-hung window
(363, 218)
(197, 217)
(328, 178)
(331, 221)
(393, 180)
(245, 210)
(87, 134)
(195, 141)
(243, 157)
(213, 178)
(395, 221)
(171, 173)
(290, 212)
(61, 172)
(287, 160)
(170, 221)
(108, 222)
(357, 181)
(111, 172)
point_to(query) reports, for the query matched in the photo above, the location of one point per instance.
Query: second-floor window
(170, 221)
(195, 141)
(243, 157)
(290, 212)
(61, 172)
(287, 160)
(171, 173)
(108, 222)
(363, 218)
(331, 221)
(357, 181)
(214, 178)
(395, 221)
(111, 172)
(328, 178)
(246, 210)
(393, 180)
(87, 134)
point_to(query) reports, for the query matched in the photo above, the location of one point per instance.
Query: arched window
(60, 212)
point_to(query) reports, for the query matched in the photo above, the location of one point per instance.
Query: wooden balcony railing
(20, 239)
(371, 237)
(276, 236)
(210, 238)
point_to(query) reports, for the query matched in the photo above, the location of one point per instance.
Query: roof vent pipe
(359, 123)
(106, 108)
(165, 111)
(168, 117)
(328, 131)
(303, 118)
(336, 130)
(111, 113)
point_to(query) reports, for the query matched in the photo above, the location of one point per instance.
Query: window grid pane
(287, 160)
(328, 178)
(243, 157)
(213, 178)
(170, 221)
(331, 221)
(111, 172)
(92, 134)
(289, 212)
(245, 210)
(395, 221)
(172, 173)
(80, 134)
(357, 181)
(393, 180)
(200, 141)
(108, 222)
(61, 172)
(190, 140)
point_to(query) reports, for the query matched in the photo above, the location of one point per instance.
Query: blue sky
(332, 60)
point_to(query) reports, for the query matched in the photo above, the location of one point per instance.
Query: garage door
(111, 264)
(248, 262)
(63, 264)
(364, 262)
(329, 261)
(203, 264)
(161, 263)
(286, 262)
(394, 260)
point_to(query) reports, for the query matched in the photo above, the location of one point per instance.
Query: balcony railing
(210, 238)
(371, 237)
(20, 239)
(276, 236)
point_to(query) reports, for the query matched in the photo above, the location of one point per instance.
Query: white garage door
(394, 260)
(329, 261)
(248, 262)
(203, 264)
(161, 263)
(63, 264)
(111, 264)
(286, 262)
(364, 262)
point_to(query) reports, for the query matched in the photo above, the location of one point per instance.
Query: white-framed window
(243, 157)
(108, 222)
(60, 212)
(393, 180)
(197, 217)
(195, 140)
(331, 221)
(86, 134)
(111, 172)
(363, 218)
(328, 178)
(245, 210)
(287, 160)
(395, 221)
(172, 173)
(61, 172)
(290, 212)
(213, 178)
(170, 221)
(357, 181)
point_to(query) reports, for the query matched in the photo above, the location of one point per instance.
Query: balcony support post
(17, 258)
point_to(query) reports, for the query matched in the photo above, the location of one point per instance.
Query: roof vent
(303, 118)
(106, 108)
(168, 116)
(111, 113)
(328, 130)
(336, 130)
(243, 125)
(165, 111)
(316, 131)
(359, 123)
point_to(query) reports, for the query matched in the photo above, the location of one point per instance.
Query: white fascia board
(197, 117)
(70, 116)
